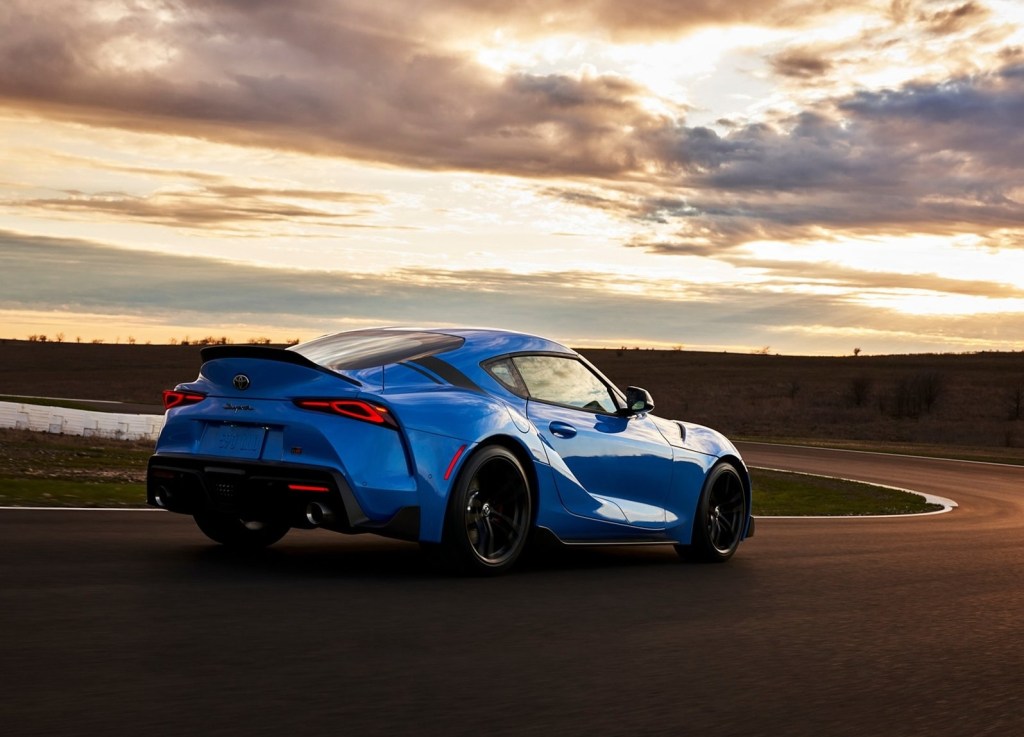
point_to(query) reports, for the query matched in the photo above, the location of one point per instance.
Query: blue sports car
(469, 441)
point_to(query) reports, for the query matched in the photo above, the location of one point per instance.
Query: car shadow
(369, 557)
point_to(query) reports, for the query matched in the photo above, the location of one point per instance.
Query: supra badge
(240, 382)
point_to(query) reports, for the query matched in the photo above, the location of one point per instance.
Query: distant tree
(60, 337)
(1017, 402)
(97, 341)
(917, 394)
(292, 341)
(856, 351)
(930, 385)
(764, 351)
(78, 338)
(33, 339)
(174, 341)
(860, 390)
(42, 338)
(131, 340)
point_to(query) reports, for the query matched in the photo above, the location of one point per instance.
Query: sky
(792, 176)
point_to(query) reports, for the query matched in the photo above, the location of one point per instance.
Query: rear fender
(440, 443)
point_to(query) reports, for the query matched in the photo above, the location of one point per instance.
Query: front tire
(489, 513)
(721, 517)
(237, 533)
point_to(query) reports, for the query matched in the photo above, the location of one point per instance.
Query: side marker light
(455, 460)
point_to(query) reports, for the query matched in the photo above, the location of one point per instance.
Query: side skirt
(550, 535)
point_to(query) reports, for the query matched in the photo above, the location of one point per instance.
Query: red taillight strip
(455, 459)
(174, 398)
(356, 409)
(305, 487)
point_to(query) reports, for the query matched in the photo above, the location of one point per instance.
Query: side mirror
(638, 400)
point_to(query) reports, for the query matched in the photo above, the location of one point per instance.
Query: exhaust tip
(318, 514)
(160, 497)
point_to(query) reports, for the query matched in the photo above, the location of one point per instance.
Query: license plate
(236, 441)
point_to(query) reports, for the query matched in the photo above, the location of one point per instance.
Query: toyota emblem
(240, 382)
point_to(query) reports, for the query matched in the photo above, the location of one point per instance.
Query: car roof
(483, 342)
(460, 346)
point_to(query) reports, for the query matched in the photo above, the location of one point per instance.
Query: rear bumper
(267, 491)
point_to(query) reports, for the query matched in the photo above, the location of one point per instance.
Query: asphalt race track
(131, 623)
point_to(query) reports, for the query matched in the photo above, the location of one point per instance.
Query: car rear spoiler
(267, 353)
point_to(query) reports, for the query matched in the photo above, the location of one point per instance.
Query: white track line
(878, 453)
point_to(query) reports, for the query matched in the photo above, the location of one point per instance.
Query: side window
(564, 381)
(506, 374)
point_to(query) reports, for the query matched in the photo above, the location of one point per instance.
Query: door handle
(562, 430)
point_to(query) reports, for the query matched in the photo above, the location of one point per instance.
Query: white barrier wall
(80, 422)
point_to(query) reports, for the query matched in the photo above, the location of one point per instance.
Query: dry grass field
(974, 400)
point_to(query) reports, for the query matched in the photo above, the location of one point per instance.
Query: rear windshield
(361, 349)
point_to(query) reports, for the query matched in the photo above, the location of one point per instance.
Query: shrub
(860, 390)
(917, 395)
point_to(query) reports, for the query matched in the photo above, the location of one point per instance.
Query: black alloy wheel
(721, 517)
(490, 512)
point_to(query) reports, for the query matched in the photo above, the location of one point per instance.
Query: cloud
(938, 158)
(953, 20)
(834, 275)
(217, 205)
(47, 274)
(356, 79)
(634, 21)
(314, 77)
(803, 63)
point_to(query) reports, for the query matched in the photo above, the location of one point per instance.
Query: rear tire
(237, 533)
(721, 517)
(490, 513)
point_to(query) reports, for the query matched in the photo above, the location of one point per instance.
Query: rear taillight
(174, 398)
(355, 409)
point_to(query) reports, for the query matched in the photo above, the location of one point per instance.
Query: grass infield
(781, 494)
(39, 469)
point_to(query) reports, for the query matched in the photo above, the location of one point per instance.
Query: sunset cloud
(75, 276)
(220, 206)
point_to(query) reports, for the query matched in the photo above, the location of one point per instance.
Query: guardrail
(61, 420)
